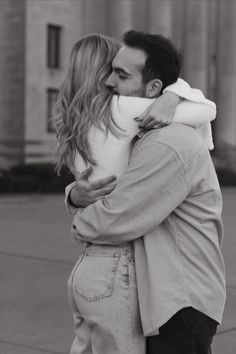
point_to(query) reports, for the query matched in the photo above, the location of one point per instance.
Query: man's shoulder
(183, 139)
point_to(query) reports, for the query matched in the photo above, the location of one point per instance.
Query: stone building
(36, 37)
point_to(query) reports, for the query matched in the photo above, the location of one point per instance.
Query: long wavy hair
(84, 100)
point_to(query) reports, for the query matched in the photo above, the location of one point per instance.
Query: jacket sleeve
(70, 208)
(152, 187)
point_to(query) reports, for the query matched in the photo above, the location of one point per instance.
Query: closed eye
(121, 73)
(122, 77)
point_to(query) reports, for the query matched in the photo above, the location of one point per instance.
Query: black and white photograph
(117, 176)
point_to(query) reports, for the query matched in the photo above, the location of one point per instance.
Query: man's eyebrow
(120, 70)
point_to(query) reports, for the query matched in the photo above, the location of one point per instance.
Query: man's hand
(160, 113)
(86, 193)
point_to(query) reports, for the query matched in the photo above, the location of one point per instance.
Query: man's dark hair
(163, 59)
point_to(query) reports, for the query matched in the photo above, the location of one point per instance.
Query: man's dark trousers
(187, 332)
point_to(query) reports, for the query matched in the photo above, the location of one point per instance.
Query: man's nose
(110, 82)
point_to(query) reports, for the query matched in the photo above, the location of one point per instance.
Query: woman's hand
(160, 113)
(85, 193)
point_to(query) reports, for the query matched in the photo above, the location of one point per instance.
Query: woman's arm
(184, 90)
(194, 114)
(195, 110)
(179, 102)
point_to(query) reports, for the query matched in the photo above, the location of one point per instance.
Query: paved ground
(36, 256)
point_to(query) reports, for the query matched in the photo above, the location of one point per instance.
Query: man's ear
(153, 88)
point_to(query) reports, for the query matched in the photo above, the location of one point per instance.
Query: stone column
(94, 16)
(212, 43)
(160, 17)
(12, 85)
(119, 17)
(178, 18)
(226, 80)
(196, 43)
(140, 15)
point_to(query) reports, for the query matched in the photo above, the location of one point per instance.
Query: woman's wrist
(173, 97)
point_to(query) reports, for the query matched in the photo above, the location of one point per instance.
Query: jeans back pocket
(95, 276)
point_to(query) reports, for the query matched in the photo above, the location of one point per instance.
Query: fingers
(101, 193)
(150, 122)
(143, 120)
(103, 182)
(85, 174)
(152, 125)
(147, 120)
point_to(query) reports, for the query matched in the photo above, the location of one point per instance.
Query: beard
(137, 92)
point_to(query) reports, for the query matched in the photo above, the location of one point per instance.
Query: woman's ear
(153, 88)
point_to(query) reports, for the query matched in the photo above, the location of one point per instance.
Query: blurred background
(37, 253)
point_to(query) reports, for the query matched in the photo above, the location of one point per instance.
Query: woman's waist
(124, 249)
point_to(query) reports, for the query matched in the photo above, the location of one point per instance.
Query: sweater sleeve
(195, 110)
(183, 89)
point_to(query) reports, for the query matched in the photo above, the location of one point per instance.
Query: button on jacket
(169, 204)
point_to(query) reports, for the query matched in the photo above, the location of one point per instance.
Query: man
(170, 194)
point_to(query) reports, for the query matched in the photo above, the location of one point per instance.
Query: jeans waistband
(124, 249)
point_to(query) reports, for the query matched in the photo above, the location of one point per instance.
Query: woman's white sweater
(112, 154)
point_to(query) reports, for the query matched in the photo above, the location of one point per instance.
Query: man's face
(126, 76)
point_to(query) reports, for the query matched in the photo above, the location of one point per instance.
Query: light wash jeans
(103, 296)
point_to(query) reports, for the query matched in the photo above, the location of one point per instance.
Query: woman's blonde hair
(83, 99)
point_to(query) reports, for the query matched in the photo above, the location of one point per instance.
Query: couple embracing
(146, 200)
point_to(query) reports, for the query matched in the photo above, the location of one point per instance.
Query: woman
(97, 129)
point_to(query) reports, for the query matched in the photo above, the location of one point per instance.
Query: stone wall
(203, 30)
(12, 74)
(39, 143)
